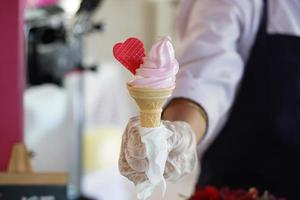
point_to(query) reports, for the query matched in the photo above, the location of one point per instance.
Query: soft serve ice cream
(154, 82)
(154, 75)
(159, 67)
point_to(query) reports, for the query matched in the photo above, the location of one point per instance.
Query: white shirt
(215, 39)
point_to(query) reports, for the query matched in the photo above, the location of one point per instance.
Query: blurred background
(76, 102)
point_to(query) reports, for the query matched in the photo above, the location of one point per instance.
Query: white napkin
(157, 150)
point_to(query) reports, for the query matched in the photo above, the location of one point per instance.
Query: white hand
(181, 158)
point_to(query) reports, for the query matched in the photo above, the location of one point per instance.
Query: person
(239, 90)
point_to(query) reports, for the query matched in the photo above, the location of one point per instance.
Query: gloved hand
(181, 159)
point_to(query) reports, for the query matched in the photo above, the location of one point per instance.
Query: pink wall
(11, 77)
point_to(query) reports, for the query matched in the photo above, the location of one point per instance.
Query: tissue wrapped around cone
(150, 102)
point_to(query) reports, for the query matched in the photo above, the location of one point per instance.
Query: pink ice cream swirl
(159, 68)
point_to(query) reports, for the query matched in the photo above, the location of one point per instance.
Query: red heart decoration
(130, 53)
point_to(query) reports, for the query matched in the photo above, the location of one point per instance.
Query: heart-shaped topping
(130, 53)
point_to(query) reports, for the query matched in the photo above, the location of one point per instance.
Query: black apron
(260, 144)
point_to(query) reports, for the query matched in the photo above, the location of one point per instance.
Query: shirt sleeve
(210, 64)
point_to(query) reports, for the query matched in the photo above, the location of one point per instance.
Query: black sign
(40, 192)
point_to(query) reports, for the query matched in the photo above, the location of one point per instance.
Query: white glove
(181, 159)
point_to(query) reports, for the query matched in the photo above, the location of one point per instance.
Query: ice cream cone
(150, 102)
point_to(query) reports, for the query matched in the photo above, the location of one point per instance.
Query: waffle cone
(150, 103)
